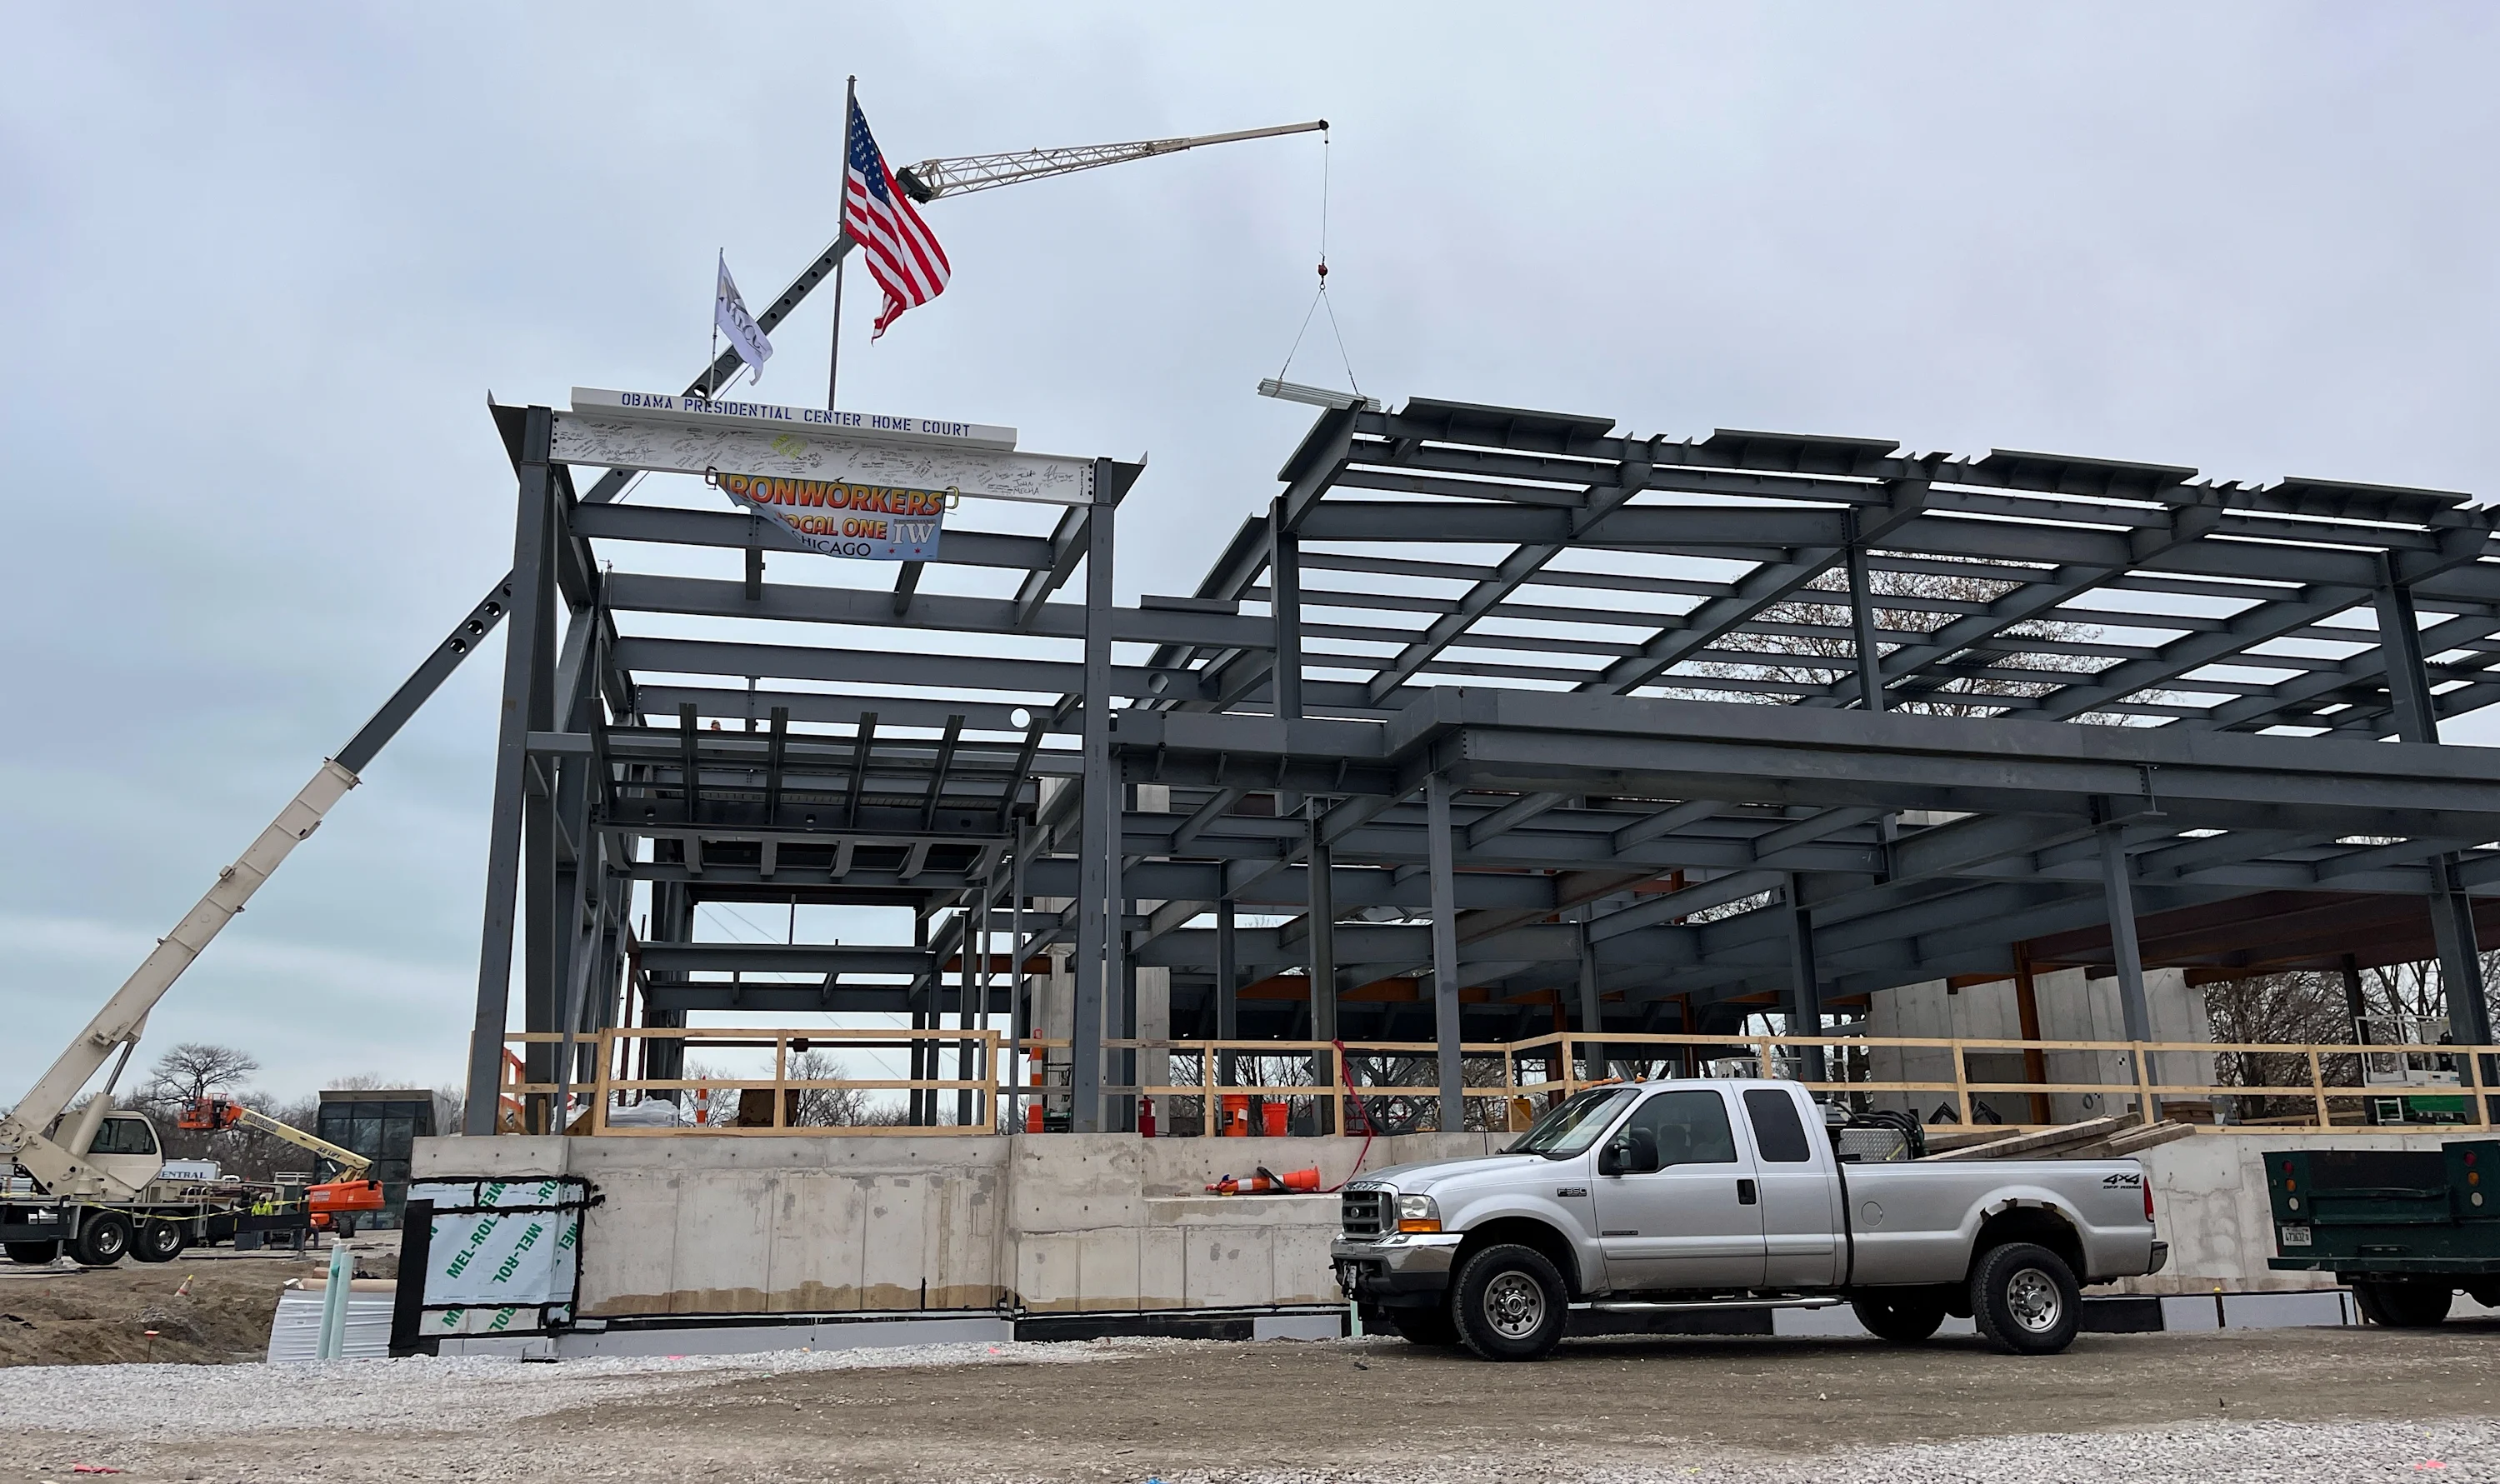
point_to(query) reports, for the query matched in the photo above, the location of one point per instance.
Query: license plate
(2296, 1236)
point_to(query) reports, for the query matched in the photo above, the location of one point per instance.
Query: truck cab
(126, 1150)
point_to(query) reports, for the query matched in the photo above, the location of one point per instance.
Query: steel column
(2356, 1004)
(1862, 613)
(528, 705)
(1285, 603)
(2118, 891)
(1228, 989)
(1593, 1021)
(1098, 832)
(1322, 968)
(1805, 986)
(1445, 953)
(2451, 911)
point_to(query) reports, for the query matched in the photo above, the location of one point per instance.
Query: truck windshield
(1568, 1130)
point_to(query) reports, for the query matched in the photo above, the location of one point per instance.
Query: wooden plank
(2131, 1142)
(2021, 1144)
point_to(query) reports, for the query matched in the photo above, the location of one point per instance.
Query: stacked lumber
(2110, 1137)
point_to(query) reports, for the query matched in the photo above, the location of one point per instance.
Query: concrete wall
(1058, 1223)
(2072, 1008)
(2210, 1203)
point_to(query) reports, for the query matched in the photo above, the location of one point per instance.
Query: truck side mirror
(1634, 1152)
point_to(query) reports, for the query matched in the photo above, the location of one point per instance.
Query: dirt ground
(101, 1315)
(1656, 1407)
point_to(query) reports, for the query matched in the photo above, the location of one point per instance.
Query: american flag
(902, 253)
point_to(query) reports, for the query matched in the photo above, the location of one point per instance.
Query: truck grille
(1365, 1214)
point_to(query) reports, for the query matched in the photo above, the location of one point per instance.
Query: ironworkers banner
(882, 522)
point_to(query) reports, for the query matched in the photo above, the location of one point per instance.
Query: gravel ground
(158, 1403)
(2302, 1406)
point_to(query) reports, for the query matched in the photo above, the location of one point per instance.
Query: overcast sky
(264, 265)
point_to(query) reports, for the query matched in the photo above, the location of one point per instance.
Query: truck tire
(1508, 1303)
(1905, 1319)
(2024, 1300)
(1432, 1327)
(34, 1254)
(160, 1242)
(2402, 1303)
(102, 1242)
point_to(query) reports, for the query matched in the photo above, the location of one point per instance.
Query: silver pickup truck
(1713, 1193)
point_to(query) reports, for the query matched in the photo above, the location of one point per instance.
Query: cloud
(267, 263)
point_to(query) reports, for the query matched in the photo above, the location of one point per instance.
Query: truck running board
(1634, 1306)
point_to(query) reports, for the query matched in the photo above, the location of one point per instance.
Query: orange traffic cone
(1302, 1180)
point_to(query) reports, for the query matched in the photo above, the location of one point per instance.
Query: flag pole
(720, 264)
(834, 362)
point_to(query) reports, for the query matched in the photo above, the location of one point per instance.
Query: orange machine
(331, 1203)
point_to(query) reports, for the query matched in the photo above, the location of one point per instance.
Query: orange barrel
(1273, 1118)
(1237, 1115)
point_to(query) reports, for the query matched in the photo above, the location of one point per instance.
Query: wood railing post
(2145, 1110)
(1961, 1085)
(2318, 1090)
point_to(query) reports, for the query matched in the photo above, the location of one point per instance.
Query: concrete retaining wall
(1058, 1223)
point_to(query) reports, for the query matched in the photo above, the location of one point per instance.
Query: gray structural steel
(1493, 721)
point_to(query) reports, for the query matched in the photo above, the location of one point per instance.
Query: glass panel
(1691, 1128)
(1777, 1131)
(1575, 1125)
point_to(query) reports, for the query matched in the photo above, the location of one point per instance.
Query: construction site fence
(2278, 1087)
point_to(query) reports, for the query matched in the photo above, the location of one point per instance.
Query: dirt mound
(99, 1316)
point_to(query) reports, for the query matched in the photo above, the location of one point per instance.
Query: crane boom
(212, 1114)
(930, 178)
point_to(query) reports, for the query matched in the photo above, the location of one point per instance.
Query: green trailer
(2406, 1229)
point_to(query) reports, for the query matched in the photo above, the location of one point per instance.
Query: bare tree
(833, 1108)
(1814, 632)
(192, 1071)
(2301, 1009)
(451, 1105)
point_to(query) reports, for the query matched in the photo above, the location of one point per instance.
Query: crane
(930, 178)
(56, 1158)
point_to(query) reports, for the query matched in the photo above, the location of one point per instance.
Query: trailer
(2407, 1230)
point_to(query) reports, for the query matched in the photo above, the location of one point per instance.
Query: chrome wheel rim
(2032, 1298)
(1514, 1305)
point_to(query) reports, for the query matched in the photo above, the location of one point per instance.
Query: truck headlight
(1418, 1213)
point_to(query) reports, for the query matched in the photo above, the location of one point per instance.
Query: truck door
(1798, 1219)
(1692, 1221)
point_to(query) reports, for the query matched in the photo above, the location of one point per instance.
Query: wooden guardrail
(1004, 1079)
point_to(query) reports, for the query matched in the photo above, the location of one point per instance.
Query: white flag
(729, 313)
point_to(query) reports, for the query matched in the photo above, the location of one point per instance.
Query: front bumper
(1395, 1271)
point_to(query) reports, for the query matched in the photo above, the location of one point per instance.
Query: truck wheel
(102, 1242)
(1425, 1326)
(2024, 1300)
(1903, 1320)
(160, 1242)
(34, 1254)
(2401, 1304)
(1509, 1304)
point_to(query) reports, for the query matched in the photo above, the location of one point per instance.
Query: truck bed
(1911, 1220)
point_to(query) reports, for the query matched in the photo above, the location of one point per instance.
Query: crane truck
(85, 1178)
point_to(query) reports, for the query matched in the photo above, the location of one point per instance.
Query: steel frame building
(1497, 715)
